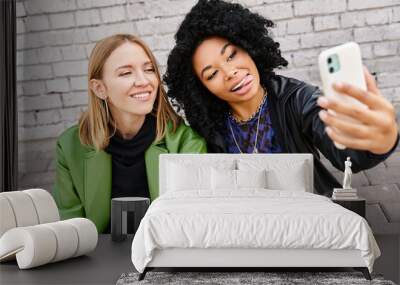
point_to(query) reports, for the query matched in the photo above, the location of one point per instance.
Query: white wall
(55, 38)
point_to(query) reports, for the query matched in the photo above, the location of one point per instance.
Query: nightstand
(356, 205)
(120, 209)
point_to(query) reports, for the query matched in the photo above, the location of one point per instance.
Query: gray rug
(242, 278)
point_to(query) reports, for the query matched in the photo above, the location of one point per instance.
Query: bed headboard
(212, 159)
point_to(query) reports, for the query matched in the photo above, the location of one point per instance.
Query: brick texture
(55, 37)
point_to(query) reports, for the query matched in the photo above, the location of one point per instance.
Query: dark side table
(120, 209)
(356, 205)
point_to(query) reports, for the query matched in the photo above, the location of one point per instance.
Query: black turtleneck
(129, 178)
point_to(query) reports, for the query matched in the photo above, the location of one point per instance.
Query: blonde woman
(114, 150)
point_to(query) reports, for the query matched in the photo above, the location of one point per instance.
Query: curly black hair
(205, 112)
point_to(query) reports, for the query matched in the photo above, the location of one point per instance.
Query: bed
(245, 211)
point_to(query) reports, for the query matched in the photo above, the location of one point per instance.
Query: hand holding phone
(355, 113)
(342, 64)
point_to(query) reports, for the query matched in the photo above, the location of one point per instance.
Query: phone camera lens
(329, 60)
(331, 69)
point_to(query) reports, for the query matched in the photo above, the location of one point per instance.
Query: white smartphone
(342, 64)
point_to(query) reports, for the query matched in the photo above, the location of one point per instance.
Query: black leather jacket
(294, 116)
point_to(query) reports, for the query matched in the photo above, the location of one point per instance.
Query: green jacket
(83, 176)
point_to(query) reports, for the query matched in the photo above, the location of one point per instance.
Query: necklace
(255, 150)
(239, 121)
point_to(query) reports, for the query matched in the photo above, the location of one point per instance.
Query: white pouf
(40, 244)
(23, 208)
(46, 207)
(7, 216)
(31, 232)
(27, 208)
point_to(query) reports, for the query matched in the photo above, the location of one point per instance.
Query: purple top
(245, 133)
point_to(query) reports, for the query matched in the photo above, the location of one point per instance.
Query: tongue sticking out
(245, 85)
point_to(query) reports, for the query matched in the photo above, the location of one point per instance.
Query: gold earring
(107, 109)
(108, 116)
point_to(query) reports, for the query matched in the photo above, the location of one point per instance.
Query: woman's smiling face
(130, 80)
(226, 70)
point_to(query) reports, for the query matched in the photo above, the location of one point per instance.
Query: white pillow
(223, 179)
(187, 177)
(281, 174)
(202, 161)
(251, 178)
(291, 180)
(228, 179)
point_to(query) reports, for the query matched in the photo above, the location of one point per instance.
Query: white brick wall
(55, 37)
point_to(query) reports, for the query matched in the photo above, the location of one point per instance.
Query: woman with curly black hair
(221, 71)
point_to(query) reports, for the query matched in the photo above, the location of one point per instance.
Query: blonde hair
(96, 125)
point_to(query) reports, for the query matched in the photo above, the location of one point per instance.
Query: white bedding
(251, 218)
